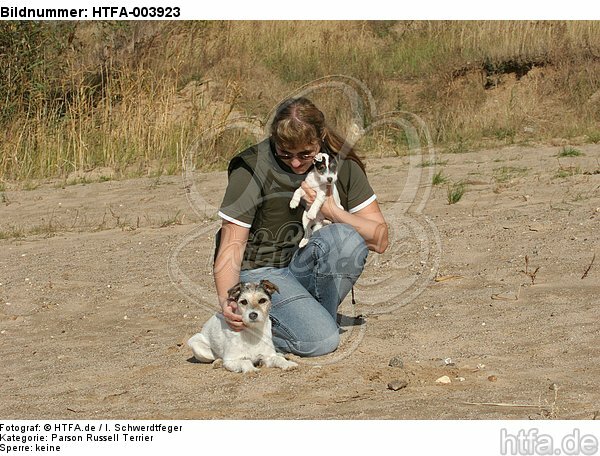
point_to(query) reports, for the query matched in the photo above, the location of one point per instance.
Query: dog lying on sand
(242, 351)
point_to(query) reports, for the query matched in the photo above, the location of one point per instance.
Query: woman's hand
(329, 208)
(227, 270)
(368, 221)
(233, 319)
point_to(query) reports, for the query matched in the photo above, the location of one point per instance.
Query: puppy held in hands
(323, 175)
(242, 351)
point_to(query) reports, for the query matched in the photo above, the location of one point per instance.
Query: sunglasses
(301, 156)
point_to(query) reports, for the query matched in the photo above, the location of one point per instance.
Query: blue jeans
(311, 288)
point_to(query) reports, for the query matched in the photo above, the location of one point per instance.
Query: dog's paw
(217, 363)
(282, 363)
(294, 204)
(302, 243)
(289, 365)
(250, 370)
(240, 366)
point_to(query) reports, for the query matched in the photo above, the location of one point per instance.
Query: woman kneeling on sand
(260, 233)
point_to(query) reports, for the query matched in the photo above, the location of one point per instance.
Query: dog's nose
(330, 179)
(253, 315)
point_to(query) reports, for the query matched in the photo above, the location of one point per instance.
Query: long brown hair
(299, 122)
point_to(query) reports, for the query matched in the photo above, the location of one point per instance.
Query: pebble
(553, 387)
(444, 380)
(396, 361)
(397, 385)
(492, 378)
(480, 366)
(448, 362)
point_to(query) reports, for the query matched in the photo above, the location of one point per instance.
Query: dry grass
(133, 97)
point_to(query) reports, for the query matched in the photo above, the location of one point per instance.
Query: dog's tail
(201, 348)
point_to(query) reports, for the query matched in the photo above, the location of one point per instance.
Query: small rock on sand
(444, 380)
(396, 361)
(397, 385)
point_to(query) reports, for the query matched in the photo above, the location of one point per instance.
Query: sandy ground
(106, 282)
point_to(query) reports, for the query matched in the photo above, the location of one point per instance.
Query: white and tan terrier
(323, 175)
(242, 351)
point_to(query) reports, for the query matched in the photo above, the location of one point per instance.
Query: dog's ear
(334, 161)
(269, 287)
(234, 292)
(319, 157)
